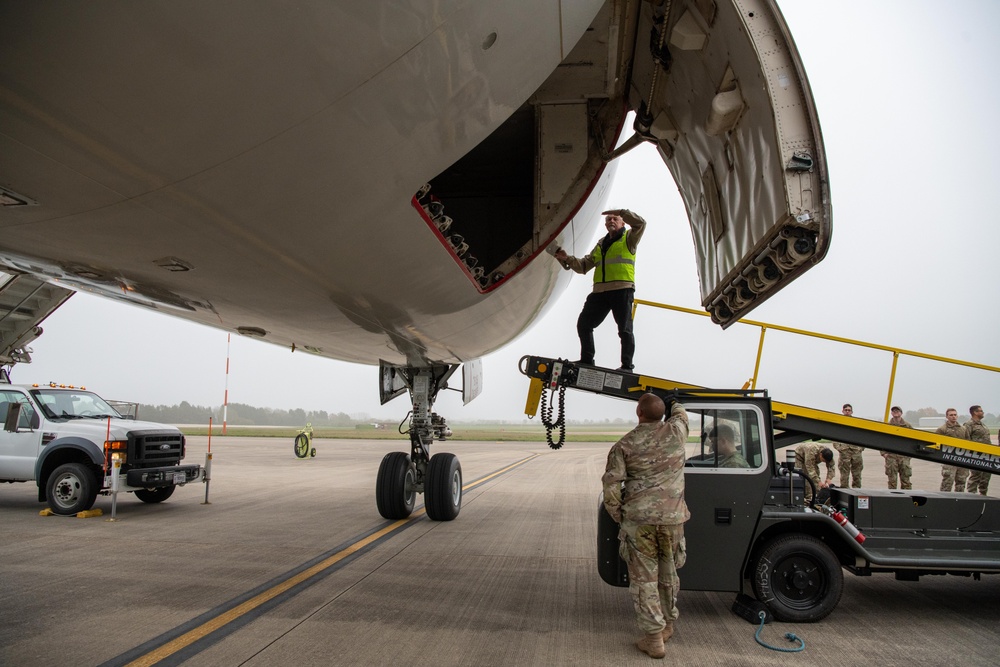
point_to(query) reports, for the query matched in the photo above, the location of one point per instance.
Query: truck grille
(155, 448)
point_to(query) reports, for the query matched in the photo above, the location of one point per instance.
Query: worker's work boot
(652, 645)
(667, 632)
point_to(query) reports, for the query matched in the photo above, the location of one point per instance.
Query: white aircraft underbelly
(253, 166)
(274, 152)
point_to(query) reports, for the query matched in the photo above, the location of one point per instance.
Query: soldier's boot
(652, 645)
(667, 632)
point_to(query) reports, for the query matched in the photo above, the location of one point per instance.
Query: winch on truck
(68, 440)
(751, 531)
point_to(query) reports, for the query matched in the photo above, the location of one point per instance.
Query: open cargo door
(719, 88)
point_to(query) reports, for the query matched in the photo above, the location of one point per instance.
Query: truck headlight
(115, 450)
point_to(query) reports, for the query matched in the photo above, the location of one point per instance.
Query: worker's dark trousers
(595, 309)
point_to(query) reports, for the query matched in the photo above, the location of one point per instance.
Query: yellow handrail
(764, 326)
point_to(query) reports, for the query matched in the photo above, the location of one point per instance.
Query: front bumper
(165, 476)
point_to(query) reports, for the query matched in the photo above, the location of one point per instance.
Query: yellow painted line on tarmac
(190, 637)
(221, 620)
(483, 480)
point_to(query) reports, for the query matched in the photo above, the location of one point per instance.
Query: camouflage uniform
(978, 480)
(849, 462)
(807, 458)
(953, 476)
(897, 464)
(649, 459)
(734, 460)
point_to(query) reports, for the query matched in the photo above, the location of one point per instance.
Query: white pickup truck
(67, 439)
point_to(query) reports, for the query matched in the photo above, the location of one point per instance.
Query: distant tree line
(241, 414)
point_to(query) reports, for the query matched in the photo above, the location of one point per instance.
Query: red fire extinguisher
(839, 517)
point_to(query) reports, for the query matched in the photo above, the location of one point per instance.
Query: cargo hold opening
(483, 205)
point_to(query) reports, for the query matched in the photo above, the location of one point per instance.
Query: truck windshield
(73, 404)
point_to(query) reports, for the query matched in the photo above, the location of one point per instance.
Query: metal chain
(663, 38)
(560, 422)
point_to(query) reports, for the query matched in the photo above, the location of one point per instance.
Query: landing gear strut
(402, 476)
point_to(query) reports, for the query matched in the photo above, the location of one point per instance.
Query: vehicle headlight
(115, 450)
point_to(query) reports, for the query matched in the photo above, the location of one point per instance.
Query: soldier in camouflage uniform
(849, 459)
(953, 476)
(649, 460)
(807, 459)
(897, 464)
(977, 432)
(722, 439)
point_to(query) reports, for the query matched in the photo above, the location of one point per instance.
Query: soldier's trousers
(653, 560)
(800, 463)
(897, 465)
(850, 463)
(979, 482)
(953, 476)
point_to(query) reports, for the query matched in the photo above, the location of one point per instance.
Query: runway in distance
(378, 182)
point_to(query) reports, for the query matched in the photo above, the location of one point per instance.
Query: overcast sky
(908, 108)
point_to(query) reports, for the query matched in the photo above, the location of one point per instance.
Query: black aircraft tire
(443, 490)
(301, 445)
(71, 488)
(394, 492)
(798, 578)
(157, 495)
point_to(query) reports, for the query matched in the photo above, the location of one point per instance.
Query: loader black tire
(798, 578)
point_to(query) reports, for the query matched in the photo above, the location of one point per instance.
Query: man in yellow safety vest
(613, 261)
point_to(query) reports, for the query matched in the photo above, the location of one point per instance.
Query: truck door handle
(723, 515)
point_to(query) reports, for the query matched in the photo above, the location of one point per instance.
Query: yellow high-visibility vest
(616, 264)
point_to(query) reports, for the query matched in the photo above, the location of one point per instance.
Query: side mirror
(13, 415)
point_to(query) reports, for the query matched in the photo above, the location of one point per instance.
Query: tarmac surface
(291, 564)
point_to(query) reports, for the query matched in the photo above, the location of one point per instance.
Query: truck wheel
(799, 578)
(395, 492)
(157, 495)
(71, 488)
(443, 490)
(301, 446)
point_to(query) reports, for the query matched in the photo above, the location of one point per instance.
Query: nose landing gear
(401, 476)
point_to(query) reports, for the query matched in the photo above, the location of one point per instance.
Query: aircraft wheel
(155, 495)
(71, 488)
(394, 486)
(443, 490)
(798, 578)
(301, 446)
(312, 452)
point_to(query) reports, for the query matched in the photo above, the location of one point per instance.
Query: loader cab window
(724, 438)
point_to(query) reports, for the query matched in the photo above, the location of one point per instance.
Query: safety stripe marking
(212, 626)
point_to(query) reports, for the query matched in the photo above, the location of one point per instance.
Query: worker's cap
(895, 408)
